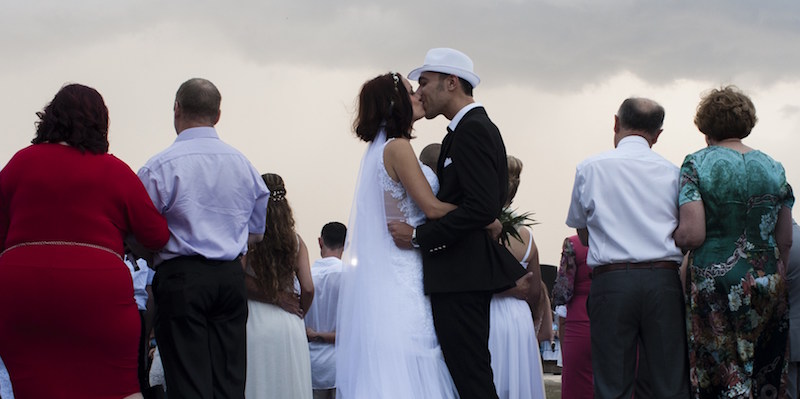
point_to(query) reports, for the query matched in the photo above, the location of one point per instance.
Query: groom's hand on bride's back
(401, 234)
(494, 229)
(522, 287)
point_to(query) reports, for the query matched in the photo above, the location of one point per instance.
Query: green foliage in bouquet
(510, 221)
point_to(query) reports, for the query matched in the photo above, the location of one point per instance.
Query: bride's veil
(374, 352)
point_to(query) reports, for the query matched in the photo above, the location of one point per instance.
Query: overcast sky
(553, 74)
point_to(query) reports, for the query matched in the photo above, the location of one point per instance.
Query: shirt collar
(328, 261)
(456, 119)
(634, 140)
(197, 132)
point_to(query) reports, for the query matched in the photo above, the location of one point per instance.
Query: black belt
(662, 264)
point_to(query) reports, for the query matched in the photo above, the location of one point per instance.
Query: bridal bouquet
(511, 222)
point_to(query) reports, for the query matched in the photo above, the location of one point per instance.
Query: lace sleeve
(565, 280)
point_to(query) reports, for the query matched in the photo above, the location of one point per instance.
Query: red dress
(69, 326)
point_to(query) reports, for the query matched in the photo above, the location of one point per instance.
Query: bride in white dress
(386, 346)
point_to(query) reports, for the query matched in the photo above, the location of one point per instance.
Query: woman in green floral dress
(735, 217)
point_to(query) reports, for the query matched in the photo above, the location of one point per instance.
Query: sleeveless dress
(386, 342)
(516, 363)
(572, 289)
(278, 361)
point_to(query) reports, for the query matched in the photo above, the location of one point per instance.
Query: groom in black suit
(463, 266)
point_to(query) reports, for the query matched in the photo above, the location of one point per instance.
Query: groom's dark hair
(466, 87)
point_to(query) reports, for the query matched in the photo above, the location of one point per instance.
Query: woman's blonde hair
(514, 170)
(273, 258)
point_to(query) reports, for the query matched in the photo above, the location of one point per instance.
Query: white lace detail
(385, 342)
(396, 197)
(408, 263)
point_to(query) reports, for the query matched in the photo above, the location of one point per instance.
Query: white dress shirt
(627, 198)
(141, 279)
(460, 114)
(321, 317)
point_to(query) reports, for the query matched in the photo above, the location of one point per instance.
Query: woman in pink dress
(572, 289)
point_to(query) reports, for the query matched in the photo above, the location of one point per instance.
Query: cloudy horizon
(553, 74)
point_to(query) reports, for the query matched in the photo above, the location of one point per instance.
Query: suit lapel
(448, 139)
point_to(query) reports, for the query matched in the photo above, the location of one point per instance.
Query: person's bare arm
(534, 267)
(288, 301)
(254, 238)
(139, 251)
(402, 165)
(315, 336)
(683, 271)
(783, 235)
(691, 231)
(494, 229)
(253, 291)
(304, 277)
(401, 233)
(583, 235)
(528, 287)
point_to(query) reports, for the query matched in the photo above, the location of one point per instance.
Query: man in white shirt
(321, 317)
(625, 207)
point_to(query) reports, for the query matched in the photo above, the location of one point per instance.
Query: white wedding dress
(516, 363)
(386, 346)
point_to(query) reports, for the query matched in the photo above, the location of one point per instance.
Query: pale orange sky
(288, 105)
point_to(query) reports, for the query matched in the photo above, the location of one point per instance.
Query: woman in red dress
(69, 326)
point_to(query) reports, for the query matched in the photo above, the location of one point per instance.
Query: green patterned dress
(737, 310)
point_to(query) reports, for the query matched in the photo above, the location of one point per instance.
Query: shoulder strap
(530, 244)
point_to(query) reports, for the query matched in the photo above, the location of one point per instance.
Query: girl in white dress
(516, 363)
(386, 346)
(278, 362)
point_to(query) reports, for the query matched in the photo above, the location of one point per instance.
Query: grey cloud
(790, 111)
(555, 45)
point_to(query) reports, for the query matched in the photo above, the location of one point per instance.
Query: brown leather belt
(662, 264)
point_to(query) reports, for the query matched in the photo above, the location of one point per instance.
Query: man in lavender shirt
(215, 204)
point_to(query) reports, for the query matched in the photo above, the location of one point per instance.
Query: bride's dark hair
(384, 100)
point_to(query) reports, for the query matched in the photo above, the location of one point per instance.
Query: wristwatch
(414, 238)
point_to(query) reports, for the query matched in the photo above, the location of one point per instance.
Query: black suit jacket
(457, 253)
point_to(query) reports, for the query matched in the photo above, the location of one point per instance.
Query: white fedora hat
(447, 61)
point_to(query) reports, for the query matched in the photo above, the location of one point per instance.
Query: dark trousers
(461, 321)
(641, 308)
(144, 380)
(201, 312)
(144, 365)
